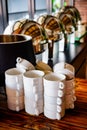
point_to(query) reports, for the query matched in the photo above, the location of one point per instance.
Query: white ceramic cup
(15, 103)
(54, 111)
(32, 107)
(30, 90)
(14, 92)
(34, 96)
(54, 85)
(64, 68)
(52, 115)
(16, 100)
(15, 107)
(53, 107)
(14, 82)
(53, 100)
(33, 80)
(30, 102)
(24, 65)
(70, 85)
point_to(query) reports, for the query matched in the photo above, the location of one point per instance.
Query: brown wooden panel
(81, 5)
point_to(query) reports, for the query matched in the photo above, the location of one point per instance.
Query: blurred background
(12, 10)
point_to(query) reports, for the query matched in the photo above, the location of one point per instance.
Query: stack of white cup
(14, 89)
(69, 71)
(33, 91)
(54, 95)
(14, 84)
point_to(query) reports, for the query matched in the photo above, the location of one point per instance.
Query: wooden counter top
(74, 119)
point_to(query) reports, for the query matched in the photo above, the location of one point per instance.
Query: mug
(53, 100)
(24, 65)
(53, 115)
(54, 107)
(33, 107)
(14, 80)
(54, 85)
(14, 92)
(15, 107)
(66, 69)
(33, 80)
(34, 96)
(15, 100)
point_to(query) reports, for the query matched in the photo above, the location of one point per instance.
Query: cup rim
(10, 73)
(38, 74)
(59, 77)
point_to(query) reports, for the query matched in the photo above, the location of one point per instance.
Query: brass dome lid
(51, 25)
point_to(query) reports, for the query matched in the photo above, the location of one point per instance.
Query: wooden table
(74, 119)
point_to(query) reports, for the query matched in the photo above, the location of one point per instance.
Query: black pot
(11, 47)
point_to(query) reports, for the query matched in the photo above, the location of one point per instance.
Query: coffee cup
(13, 79)
(33, 80)
(54, 84)
(33, 107)
(15, 107)
(15, 100)
(66, 69)
(53, 100)
(52, 115)
(24, 65)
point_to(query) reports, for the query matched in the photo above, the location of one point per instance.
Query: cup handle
(18, 86)
(17, 82)
(36, 97)
(17, 102)
(60, 93)
(17, 108)
(36, 111)
(59, 109)
(59, 101)
(34, 89)
(61, 85)
(73, 92)
(73, 84)
(58, 116)
(17, 79)
(74, 98)
(19, 59)
(72, 106)
(17, 93)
